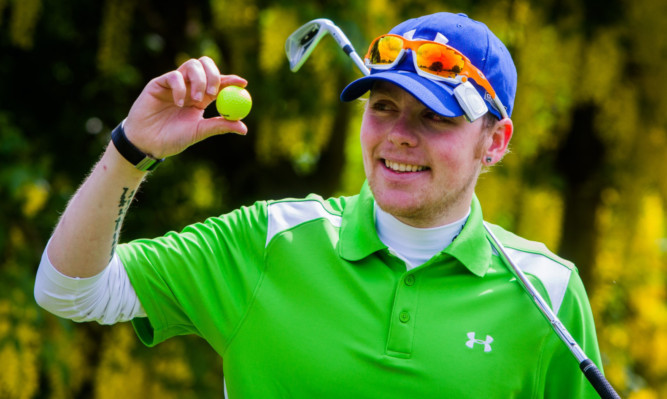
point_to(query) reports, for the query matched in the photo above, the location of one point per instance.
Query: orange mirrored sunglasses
(432, 60)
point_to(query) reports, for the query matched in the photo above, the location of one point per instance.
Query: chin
(399, 205)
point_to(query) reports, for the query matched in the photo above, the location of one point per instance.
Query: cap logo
(440, 38)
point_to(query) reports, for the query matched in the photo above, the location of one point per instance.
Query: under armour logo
(472, 341)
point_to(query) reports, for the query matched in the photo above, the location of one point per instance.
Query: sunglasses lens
(384, 50)
(439, 60)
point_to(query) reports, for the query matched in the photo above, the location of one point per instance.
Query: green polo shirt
(302, 300)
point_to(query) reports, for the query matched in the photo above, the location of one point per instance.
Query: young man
(396, 292)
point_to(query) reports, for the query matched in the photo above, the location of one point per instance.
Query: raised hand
(168, 115)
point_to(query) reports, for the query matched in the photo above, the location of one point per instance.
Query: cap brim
(439, 97)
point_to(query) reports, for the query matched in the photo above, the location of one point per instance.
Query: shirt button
(409, 279)
(404, 317)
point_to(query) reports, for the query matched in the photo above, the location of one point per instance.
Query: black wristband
(141, 161)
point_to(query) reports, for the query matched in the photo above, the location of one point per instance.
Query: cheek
(368, 136)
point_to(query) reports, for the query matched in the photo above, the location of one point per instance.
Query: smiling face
(421, 167)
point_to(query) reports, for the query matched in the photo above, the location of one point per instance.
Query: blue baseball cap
(470, 37)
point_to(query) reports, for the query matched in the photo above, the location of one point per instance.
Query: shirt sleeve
(106, 298)
(200, 280)
(564, 378)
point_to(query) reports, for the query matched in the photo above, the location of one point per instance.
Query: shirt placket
(403, 316)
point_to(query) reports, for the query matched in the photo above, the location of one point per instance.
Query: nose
(402, 133)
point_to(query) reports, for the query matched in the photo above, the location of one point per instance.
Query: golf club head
(301, 43)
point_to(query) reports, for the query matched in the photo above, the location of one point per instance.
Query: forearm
(87, 233)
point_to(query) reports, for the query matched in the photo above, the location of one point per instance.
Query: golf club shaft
(590, 370)
(360, 64)
(347, 47)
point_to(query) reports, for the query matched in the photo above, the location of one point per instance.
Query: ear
(499, 141)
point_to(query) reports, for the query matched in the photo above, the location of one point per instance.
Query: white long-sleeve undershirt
(107, 297)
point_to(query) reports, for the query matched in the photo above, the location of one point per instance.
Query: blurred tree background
(585, 174)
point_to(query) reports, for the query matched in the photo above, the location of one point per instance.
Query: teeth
(401, 167)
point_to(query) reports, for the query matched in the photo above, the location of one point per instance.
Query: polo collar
(359, 239)
(471, 247)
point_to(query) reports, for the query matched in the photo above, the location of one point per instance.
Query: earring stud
(489, 159)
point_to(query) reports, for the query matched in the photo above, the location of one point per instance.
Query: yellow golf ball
(233, 103)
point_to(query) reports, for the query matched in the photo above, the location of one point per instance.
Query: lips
(403, 167)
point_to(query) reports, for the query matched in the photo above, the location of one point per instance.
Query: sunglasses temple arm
(500, 107)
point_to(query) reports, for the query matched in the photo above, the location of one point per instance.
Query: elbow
(49, 292)
(41, 291)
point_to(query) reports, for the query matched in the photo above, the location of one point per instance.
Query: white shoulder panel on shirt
(553, 275)
(284, 215)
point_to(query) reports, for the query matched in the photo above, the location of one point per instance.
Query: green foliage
(584, 174)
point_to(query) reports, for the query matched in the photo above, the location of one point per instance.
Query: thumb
(219, 125)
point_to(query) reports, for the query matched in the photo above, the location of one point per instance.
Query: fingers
(232, 80)
(218, 125)
(195, 76)
(197, 82)
(212, 75)
(175, 82)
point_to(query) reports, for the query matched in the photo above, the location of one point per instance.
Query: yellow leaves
(492, 189)
(25, 14)
(618, 337)
(276, 24)
(35, 195)
(527, 205)
(11, 379)
(172, 367)
(299, 140)
(230, 14)
(648, 44)
(600, 73)
(380, 7)
(659, 345)
(202, 188)
(380, 16)
(618, 122)
(650, 227)
(122, 373)
(20, 347)
(644, 394)
(547, 63)
(209, 48)
(630, 297)
(294, 134)
(521, 12)
(115, 35)
(353, 175)
(545, 205)
(285, 139)
(119, 375)
(70, 367)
